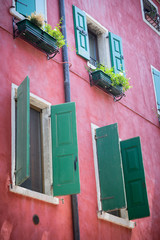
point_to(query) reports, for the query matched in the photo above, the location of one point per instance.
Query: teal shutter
(116, 52)
(81, 33)
(25, 7)
(136, 194)
(64, 150)
(110, 168)
(156, 76)
(23, 132)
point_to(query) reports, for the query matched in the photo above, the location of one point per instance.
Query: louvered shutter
(136, 193)
(23, 132)
(116, 52)
(64, 150)
(81, 33)
(26, 7)
(156, 76)
(110, 168)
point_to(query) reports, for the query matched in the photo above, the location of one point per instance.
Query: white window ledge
(117, 220)
(35, 195)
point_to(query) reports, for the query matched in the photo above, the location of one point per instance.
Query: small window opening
(151, 14)
(93, 49)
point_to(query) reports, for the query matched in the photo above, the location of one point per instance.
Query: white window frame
(123, 220)
(102, 41)
(143, 15)
(20, 16)
(47, 196)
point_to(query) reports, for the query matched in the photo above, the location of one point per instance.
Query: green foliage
(56, 33)
(116, 78)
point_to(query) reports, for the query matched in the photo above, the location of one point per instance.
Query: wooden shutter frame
(79, 32)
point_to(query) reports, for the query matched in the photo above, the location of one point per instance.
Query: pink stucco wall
(135, 115)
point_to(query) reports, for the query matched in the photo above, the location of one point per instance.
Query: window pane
(93, 48)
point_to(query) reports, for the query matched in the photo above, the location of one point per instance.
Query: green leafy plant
(38, 20)
(117, 79)
(56, 33)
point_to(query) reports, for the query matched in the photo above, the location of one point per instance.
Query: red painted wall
(134, 114)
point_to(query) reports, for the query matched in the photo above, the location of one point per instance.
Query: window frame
(102, 41)
(153, 68)
(143, 15)
(123, 220)
(47, 196)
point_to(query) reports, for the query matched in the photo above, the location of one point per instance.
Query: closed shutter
(110, 168)
(116, 52)
(136, 194)
(23, 132)
(156, 76)
(25, 7)
(81, 33)
(64, 150)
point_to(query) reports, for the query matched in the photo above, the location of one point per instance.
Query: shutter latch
(82, 31)
(100, 136)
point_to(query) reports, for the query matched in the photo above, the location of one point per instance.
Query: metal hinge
(100, 137)
(82, 31)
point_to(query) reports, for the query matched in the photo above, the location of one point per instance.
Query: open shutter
(81, 33)
(64, 150)
(25, 7)
(136, 194)
(110, 168)
(23, 132)
(116, 52)
(156, 76)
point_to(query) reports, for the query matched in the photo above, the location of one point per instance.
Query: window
(95, 43)
(151, 15)
(26, 7)
(156, 78)
(119, 174)
(93, 48)
(43, 140)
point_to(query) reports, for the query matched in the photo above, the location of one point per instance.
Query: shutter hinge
(100, 136)
(106, 198)
(82, 31)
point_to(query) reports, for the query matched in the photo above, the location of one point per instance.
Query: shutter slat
(110, 168)
(25, 7)
(136, 193)
(64, 150)
(81, 33)
(116, 51)
(23, 132)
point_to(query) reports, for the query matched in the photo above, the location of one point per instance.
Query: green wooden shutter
(136, 194)
(64, 150)
(110, 168)
(81, 33)
(156, 76)
(116, 52)
(25, 7)
(23, 132)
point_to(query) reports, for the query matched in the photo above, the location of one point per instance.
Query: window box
(37, 37)
(103, 81)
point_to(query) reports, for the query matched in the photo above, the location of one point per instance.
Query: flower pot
(37, 37)
(103, 81)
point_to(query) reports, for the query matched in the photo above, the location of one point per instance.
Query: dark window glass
(93, 48)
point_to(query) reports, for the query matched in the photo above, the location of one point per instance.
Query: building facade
(79, 158)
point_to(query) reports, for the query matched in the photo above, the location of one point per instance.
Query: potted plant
(40, 35)
(113, 83)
